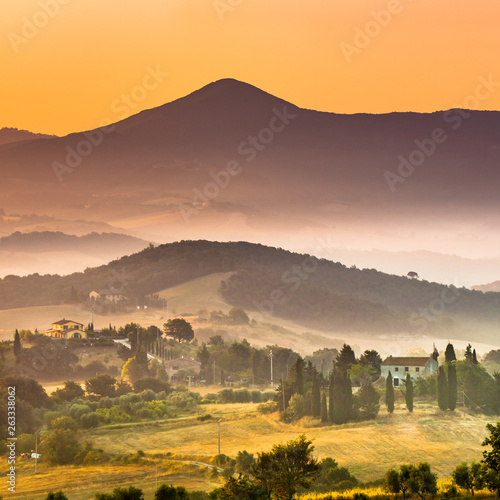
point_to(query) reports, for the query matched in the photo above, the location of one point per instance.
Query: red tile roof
(408, 361)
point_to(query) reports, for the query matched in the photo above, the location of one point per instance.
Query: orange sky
(71, 71)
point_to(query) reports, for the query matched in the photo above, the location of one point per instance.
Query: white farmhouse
(401, 366)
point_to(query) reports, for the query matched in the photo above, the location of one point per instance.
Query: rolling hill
(272, 282)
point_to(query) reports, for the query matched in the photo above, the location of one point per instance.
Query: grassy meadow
(368, 449)
(180, 449)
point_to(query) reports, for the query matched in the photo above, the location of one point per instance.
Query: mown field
(368, 449)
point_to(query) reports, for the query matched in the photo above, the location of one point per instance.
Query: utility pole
(272, 379)
(283, 391)
(214, 373)
(36, 451)
(218, 425)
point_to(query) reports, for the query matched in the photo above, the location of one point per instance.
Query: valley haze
(398, 192)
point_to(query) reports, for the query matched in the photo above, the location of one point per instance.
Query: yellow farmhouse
(66, 329)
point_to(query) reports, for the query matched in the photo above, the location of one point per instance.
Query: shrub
(89, 420)
(242, 396)
(148, 395)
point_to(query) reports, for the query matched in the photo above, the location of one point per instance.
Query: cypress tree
(299, 376)
(452, 386)
(474, 357)
(338, 398)
(468, 353)
(316, 397)
(389, 393)
(331, 395)
(324, 411)
(347, 397)
(442, 388)
(449, 354)
(346, 358)
(409, 393)
(17, 343)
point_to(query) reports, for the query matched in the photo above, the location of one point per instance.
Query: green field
(368, 449)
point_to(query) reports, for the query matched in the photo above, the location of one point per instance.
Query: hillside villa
(66, 329)
(109, 295)
(416, 366)
(172, 366)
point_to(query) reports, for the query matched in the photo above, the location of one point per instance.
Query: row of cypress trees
(389, 393)
(447, 387)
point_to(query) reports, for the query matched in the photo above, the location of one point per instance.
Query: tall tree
(389, 393)
(17, 343)
(372, 358)
(474, 357)
(298, 376)
(331, 396)
(346, 358)
(342, 397)
(286, 467)
(491, 458)
(449, 354)
(391, 483)
(443, 390)
(409, 393)
(468, 353)
(179, 329)
(324, 410)
(422, 480)
(469, 478)
(367, 402)
(316, 397)
(452, 386)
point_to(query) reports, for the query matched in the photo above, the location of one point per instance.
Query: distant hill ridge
(9, 135)
(50, 241)
(273, 281)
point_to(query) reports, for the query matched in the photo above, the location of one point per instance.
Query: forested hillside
(274, 282)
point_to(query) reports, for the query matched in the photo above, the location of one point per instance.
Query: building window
(407, 368)
(396, 369)
(417, 369)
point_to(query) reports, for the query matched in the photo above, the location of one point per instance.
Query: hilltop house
(172, 366)
(109, 295)
(415, 366)
(66, 329)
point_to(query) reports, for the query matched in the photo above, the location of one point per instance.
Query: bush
(242, 396)
(256, 396)
(202, 418)
(89, 420)
(148, 395)
(268, 396)
(269, 407)
(144, 413)
(152, 383)
(77, 410)
(226, 396)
